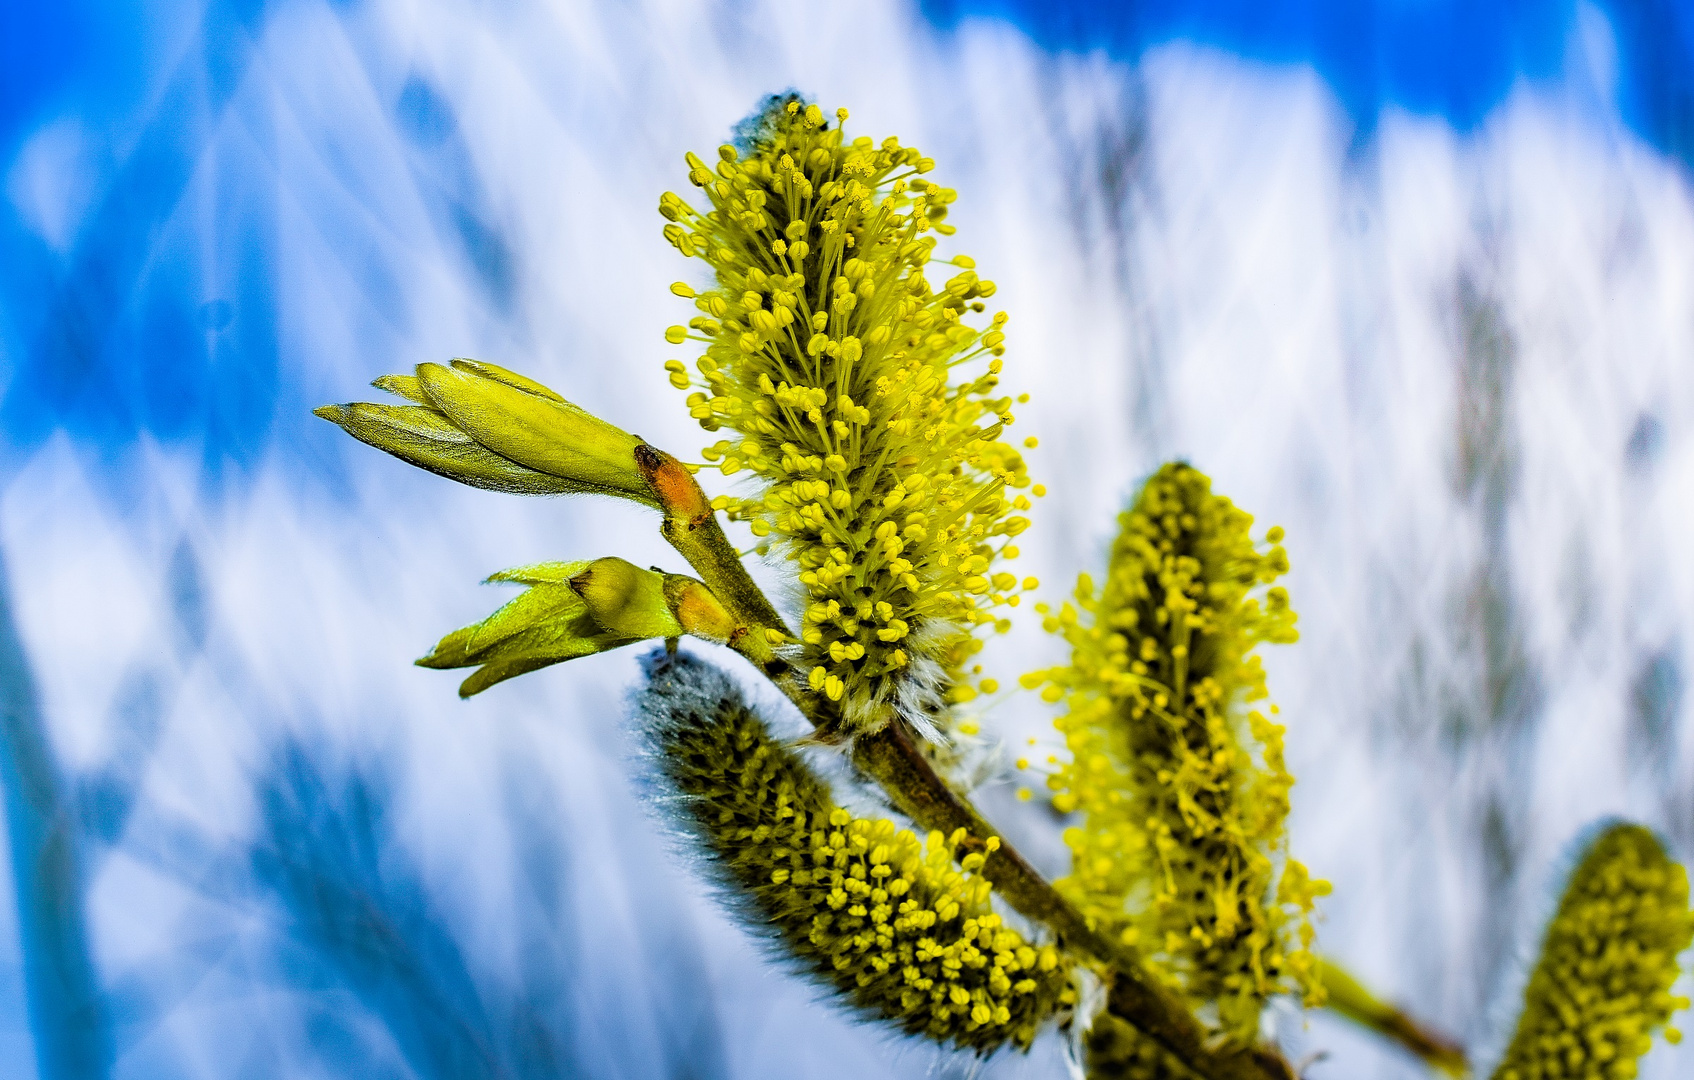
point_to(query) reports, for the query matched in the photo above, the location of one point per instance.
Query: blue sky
(1441, 57)
(1446, 58)
(153, 80)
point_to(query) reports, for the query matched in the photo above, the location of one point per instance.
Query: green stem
(1349, 998)
(691, 526)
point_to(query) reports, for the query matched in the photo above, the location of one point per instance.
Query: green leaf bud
(545, 624)
(551, 621)
(573, 609)
(525, 422)
(491, 428)
(426, 438)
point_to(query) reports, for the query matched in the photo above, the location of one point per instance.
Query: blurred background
(1412, 278)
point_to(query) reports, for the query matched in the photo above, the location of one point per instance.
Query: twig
(691, 526)
(1349, 998)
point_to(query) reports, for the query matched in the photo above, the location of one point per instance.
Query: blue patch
(1456, 59)
(156, 322)
(454, 193)
(161, 319)
(142, 326)
(56, 54)
(1656, 91)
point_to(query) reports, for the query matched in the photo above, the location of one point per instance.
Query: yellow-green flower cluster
(840, 369)
(899, 930)
(1602, 985)
(1181, 786)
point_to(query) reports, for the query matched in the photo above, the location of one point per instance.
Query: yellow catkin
(1175, 768)
(891, 922)
(1602, 985)
(862, 403)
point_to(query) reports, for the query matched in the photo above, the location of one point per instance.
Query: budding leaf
(525, 422)
(491, 428)
(550, 621)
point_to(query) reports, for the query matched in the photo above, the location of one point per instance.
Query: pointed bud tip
(335, 414)
(406, 386)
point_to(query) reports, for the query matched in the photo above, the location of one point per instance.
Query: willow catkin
(889, 922)
(1175, 768)
(1602, 984)
(862, 404)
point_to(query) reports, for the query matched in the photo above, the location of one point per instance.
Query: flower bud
(570, 609)
(491, 428)
(626, 599)
(698, 610)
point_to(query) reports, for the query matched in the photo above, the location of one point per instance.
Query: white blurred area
(1458, 368)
